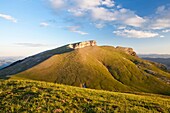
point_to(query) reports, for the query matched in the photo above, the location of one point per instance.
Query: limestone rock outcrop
(127, 50)
(82, 44)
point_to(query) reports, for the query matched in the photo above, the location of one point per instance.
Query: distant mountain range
(84, 64)
(165, 61)
(154, 55)
(6, 61)
(159, 58)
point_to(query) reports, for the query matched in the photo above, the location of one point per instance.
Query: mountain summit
(92, 66)
(82, 44)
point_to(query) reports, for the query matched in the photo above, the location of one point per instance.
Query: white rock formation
(82, 44)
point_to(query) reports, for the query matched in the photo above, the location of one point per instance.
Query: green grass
(100, 68)
(22, 96)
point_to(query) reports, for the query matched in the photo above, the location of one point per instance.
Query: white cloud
(8, 17)
(162, 36)
(135, 33)
(100, 13)
(75, 30)
(99, 25)
(121, 27)
(162, 18)
(160, 9)
(166, 30)
(76, 12)
(57, 3)
(87, 4)
(31, 44)
(108, 3)
(161, 23)
(119, 6)
(135, 21)
(44, 24)
(106, 11)
(122, 15)
(128, 17)
(100, 10)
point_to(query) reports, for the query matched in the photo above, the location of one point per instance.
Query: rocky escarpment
(82, 44)
(127, 50)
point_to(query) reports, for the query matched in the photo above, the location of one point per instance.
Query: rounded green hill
(100, 67)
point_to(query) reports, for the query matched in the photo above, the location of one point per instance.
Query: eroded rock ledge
(127, 50)
(83, 44)
(79, 45)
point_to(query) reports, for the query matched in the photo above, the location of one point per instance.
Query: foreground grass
(32, 96)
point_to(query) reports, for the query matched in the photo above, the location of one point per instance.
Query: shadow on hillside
(29, 62)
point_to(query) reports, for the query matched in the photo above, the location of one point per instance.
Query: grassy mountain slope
(101, 68)
(24, 64)
(33, 96)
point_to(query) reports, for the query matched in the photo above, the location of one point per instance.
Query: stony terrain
(82, 44)
(127, 50)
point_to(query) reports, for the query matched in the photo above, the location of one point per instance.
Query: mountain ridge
(99, 67)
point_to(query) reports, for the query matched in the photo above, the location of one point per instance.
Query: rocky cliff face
(82, 44)
(127, 50)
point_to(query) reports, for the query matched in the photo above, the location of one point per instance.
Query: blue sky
(31, 26)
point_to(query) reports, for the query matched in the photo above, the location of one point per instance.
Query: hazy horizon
(28, 27)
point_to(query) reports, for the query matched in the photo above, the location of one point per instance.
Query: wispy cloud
(166, 30)
(99, 25)
(44, 24)
(75, 29)
(121, 27)
(99, 10)
(108, 12)
(162, 36)
(135, 33)
(108, 3)
(57, 4)
(161, 19)
(8, 17)
(30, 44)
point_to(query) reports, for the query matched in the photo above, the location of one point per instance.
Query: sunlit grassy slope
(101, 67)
(42, 97)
